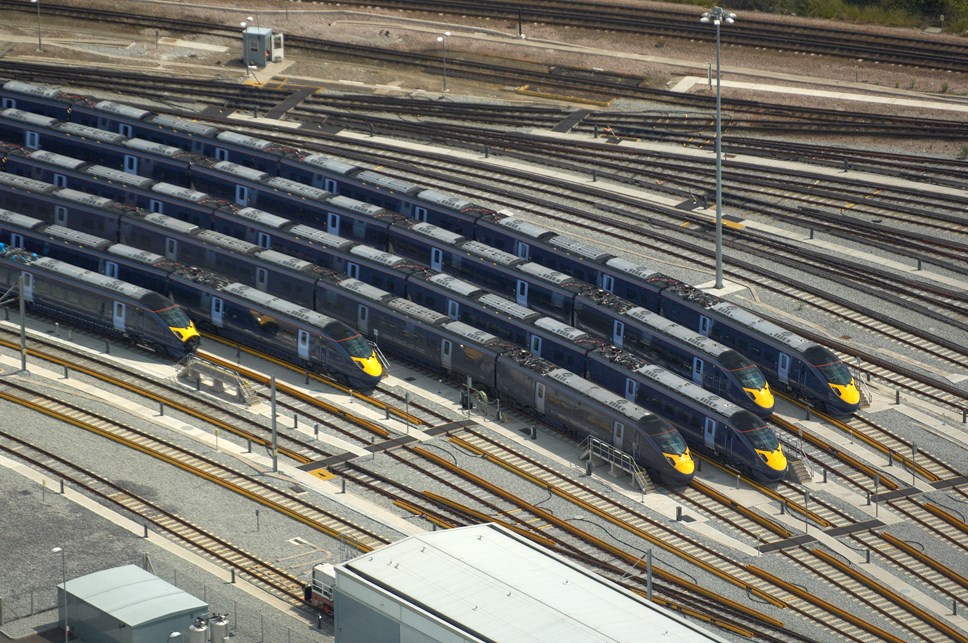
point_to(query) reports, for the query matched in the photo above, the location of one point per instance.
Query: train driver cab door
(332, 223)
(535, 345)
(218, 309)
(618, 434)
(522, 250)
(709, 433)
(118, 309)
(446, 353)
(697, 366)
(539, 397)
(302, 343)
(363, 319)
(783, 367)
(705, 325)
(618, 333)
(631, 389)
(521, 293)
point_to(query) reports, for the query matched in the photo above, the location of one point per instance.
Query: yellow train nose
(683, 463)
(775, 460)
(371, 365)
(762, 397)
(848, 393)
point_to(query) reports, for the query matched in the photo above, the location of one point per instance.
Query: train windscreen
(829, 364)
(761, 435)
(748, 373)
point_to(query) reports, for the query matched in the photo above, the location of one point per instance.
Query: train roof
(59, 160)
(362, 288)
(509, 308)
(184, 125)
(244, 140)
(356, 206)
(580, 248)
(177, 191)
(78, 238)
(262, 217)
(378, 256)
(620, 404)
(757, 323)
(233, 244)
(491, 254)
(83, 131)
(434, 232)
(321, 236)
(33, 90)
(137, 254)
(153, 148)
(240, 170)
(634, 269)
(120, 109)
(670, 328)
(29, 117)
(476, 335)
(22, 182)
(525, 227)
(127, 178)
(329, 164)
(278, 305)
(286, 261)
(444, 199)
(452, 283)
(546, 273)
(80, 275)
(92, 200)
(20, 220)
(165, 221)
(698, 395)
(416, 311)
(297, 188)
(561, 329)
(388, 182)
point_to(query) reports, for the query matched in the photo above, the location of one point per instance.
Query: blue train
(103, 304)
(251, 316)
(720, 370)
(709, 423)
(792, 364)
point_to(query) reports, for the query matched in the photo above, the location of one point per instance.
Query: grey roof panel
(434, 232)
(165, 221)
(154, 148)
(21, 220)
(319, 236)
(524, 227)
(299, 189)
(227, 242)
(183, 125)
(661, 326)
(328, 164)
(243, 139)
(287, 261)
(637, 270)
(263, 218)
(87, 199)
(33, 90)
(546, 273)
(137, 254)
(377, 256)
(445, 199)
(57, 159)
(580, 248)
(760, 325)
(491, 253)
(416, 311)
(509, 308)
(177, 191)
(561, 329)
(354, 205)
(122, 110)
(119, 176)
(240, 170)
(79, 238)
(29, 118)
(22, 182)
(456, 285)
(388, 182)
(84, 131)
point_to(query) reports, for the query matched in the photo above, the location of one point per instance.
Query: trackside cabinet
(260, 46)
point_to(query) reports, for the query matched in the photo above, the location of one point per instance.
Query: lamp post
(443, 47)
(40, 43)
(717, 16)
(60, 550)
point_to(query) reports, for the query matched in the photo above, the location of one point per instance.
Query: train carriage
(102, 304)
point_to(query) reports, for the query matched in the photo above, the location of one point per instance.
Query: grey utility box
(260, 46)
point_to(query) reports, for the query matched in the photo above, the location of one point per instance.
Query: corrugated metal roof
(499, 586)
(132, 595)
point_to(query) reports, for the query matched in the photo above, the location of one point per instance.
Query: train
(792, 364)
(420, 335)
(717, 368)
(99, 303)
(708, 422)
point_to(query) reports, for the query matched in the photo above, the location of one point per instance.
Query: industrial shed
(127, 605)
(486, 583)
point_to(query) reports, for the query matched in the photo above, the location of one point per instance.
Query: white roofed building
(486, 583)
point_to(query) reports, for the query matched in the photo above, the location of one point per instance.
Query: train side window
(60, 180)
(221, 154)
(263, 240)
(420, 214)
(32, 140)
(60, 215)
(130, 164)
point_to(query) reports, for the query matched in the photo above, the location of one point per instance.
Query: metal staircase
(617, 460)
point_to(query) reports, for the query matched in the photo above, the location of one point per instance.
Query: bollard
(295, 420)
(825, 476)
(62, 486)
(307, 377)
(678, 514)
(595, 130)
(198, 383)
(107, 347)
(588, 468)
(868, 498)
(868, 556)
(233, 576)
(954, 607)
(316, 430)
(370, 125)
(594, 176)
(487, 152)
(783, 507)
(145, 525)
(868, 377)
(534, 432)
(897, 396)
(161, 409)
(343, 486)
(737, 481)
(806, 410)
(919, 263)
(811, 233)
(66, 376)
(386, 410)
(890, 458)
(248, 445)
